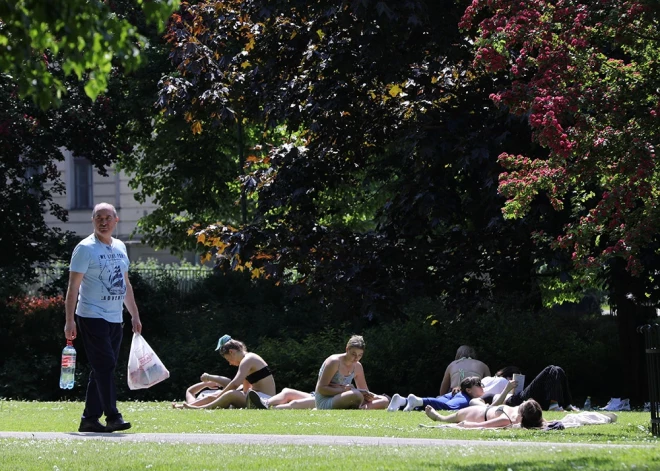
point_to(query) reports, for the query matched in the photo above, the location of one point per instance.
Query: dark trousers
(551, 384)
(102, 340)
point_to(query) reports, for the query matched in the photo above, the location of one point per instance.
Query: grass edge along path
(299, 440)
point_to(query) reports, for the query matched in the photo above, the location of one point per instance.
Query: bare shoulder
(255, 357)
(331, 363)
(253, 360)
(332, 359)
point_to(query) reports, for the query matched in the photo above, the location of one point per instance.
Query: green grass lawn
(632, 429)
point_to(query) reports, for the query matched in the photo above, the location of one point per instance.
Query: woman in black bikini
(528, 414)
(253, 374)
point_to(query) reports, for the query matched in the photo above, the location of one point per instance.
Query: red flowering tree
(586, 74)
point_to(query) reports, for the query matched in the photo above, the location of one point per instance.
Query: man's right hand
(70, 330)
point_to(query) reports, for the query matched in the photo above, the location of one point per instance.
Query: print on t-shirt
(111, 275)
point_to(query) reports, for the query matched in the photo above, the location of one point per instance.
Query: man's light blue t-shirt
(103, 288)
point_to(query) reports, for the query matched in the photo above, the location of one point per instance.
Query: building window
(82, 184)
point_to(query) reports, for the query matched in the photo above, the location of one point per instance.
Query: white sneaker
(396, 403)
(625, 404)
(613, 405)
(413, 402)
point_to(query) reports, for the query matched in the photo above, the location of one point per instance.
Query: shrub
(31, 343)
(405, 355)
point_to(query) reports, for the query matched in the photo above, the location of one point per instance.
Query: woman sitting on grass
(253, 373)
(464, 365)
(334, 388)
(528, 414)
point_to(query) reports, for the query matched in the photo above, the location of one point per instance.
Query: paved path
(253, 439)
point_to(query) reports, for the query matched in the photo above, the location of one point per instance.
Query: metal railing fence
(184, 278)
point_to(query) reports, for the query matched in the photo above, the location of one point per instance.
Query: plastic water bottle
(67, 376)
(587, 404)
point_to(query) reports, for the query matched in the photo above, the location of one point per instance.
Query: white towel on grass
(570, 421)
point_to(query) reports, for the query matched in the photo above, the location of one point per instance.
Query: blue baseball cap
(223, 340)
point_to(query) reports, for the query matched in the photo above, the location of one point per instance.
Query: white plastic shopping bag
(144, 367)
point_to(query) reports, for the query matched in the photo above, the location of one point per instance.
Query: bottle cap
(69, 342)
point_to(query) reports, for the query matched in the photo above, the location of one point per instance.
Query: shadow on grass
(573, 463)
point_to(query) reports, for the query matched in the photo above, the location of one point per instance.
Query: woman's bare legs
(308, 403)
(291, 399)
(378, 402)
(287, 395)
(348, 400)
(432, 414)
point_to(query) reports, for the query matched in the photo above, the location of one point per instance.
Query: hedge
(405, 355)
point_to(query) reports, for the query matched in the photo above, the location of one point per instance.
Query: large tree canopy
(191, 177)
(30, 146)
(45, 48)
(586, 74)
(83, 36)
(386, 187)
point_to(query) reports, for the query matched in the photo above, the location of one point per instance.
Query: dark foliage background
(295, 336)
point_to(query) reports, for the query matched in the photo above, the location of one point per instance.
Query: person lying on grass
(289, 398)
(253, 374)
(550, 389)
(470, 390)
(204, 392)
(528, 414)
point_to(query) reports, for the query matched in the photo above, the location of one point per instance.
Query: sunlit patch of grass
(159, 417)
(632, 429)
(33, 455)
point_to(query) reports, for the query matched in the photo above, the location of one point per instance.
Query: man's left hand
(137, 325)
